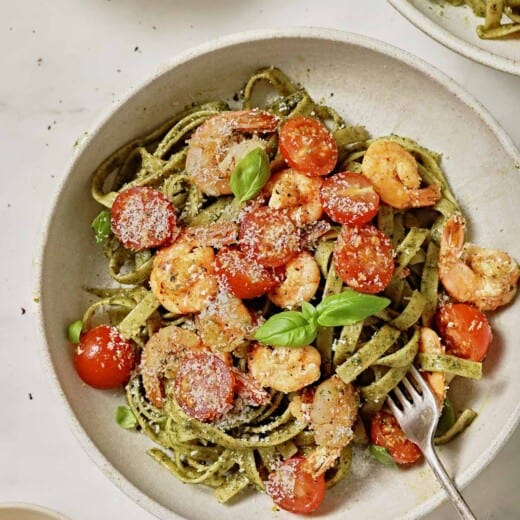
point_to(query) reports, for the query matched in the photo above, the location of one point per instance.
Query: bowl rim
(446, 38)
(227, 41)
(32, 508)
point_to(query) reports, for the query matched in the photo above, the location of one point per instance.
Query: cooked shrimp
(183, 275)
(225, 323)
(298, 193)
(220, 142)
(430, 343)
(302, 279)
(332, 414)
(283, 368)
(300, 405)
(393, 171)
(485, 277)
(161, 358)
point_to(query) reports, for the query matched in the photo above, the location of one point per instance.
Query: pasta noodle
(501, 17)
(242, 447)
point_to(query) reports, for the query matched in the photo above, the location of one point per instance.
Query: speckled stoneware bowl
(455, 27)
(370, 83)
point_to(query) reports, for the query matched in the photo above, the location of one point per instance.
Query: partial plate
(23, 511)
(369, 83)
(455, 27)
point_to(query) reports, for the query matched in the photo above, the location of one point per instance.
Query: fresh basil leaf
(125, 418)
(296, 329)
(74, 331)
(287, 329)
(349, 307)
(101, 226)
(309, 311)
(381, 455)
(250, 174)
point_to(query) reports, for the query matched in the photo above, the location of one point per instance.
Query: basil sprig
(101, 226)
(287, 329)
(349, 307)
(250, 175)
(299, 328)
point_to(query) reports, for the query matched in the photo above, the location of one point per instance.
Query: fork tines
(415, 390)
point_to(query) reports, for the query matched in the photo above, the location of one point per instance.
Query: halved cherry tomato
(386, 432)
(243, 277)
(465, 331)
(104, 358)
(204, 387)
(349, 198)
(295, 490)
(268, 236)
(308, 146)
(142, 217)
(363, 258)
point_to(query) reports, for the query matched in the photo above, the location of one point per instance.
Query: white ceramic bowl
(455, 27)
(372, 84)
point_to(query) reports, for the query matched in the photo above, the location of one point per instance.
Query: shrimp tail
(452, 239)
(320, 460)
(254, 121)
(425, 196)
(456, 277)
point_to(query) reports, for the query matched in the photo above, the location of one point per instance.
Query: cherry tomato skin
(243, 277)
(142, 218)
(104, 358)
(386, 432)
(465, 330)
(363, 258)
(295, 490)
(269, 237)
(204, 387)
(308, 146)
(349, 198)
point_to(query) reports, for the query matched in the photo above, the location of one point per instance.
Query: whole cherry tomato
(465, 330)
(104, 358)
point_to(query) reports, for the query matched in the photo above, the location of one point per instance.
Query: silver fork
(418, 415)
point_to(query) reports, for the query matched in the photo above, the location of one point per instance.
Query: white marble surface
(62, 63)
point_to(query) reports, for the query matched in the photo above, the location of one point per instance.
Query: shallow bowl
(24, 511)
(370, 83)
(455, 28)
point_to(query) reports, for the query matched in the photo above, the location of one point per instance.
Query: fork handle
(448, 485)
